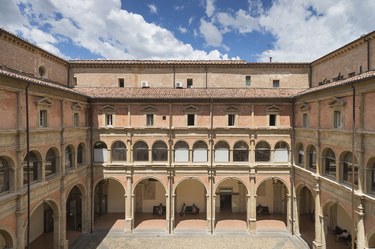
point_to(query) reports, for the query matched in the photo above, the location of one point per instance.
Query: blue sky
(251, 30)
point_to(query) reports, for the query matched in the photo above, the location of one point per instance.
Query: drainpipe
(170, 168)
(353, 161)
(28, 165)
(293, 175)
(211, 166)
(92, 166)
(367, 39)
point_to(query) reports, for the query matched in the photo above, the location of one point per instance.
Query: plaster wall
(190, 192)
(116, 197)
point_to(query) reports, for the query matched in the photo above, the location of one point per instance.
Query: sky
(251, 30)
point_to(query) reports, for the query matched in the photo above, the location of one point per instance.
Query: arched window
(329, 158)
(34, 167)
(140, 151)
(68, 157)
(241, 152)
(281, 153)
(100, 152)
(311, 158)
(300, 155)
(222, 152)
(200, 152)
(372, 182)
(4, 175)
(159, 151)
(81, 154)
(51, 162)
(346, 169)
(118, 151)
(262, 152)
(181, 152)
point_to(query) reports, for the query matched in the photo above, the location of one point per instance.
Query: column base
(252, 225)
(128, 226)
(64, 244)
(316, 245)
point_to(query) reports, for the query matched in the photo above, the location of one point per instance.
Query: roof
(186, 93)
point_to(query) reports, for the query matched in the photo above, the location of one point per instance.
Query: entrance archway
(73, 214)
(150, 197)
(231, 205)
(371, 241)
(271, 205)
(109, 205)
(6, 240)
(306, 212)
(190, 206)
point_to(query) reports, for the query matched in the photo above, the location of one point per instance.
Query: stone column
(361, 239)
(252, 203)
(297, 204)
(168, 205)
(128, 205)
(85, 200)
(319, 220)
(63, 242)
(289, 214)
(173, 212)
(208, 212)
(56, 229)
(43, 170)
(21, 230)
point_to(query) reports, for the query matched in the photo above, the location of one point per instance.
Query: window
(181, 152)
(121, 82)
(189, 83)
(272, 120)
(200, 152)
(347, 173)
(118, 151)
(80, 154)
(337, 119)
(140, 151)
(305, 120)
(43, 118)
(4, 175)
(262, 152)
(68, 157)
(100, 152)
(34, 168)
(108, 119)
(222, 152)
(75, 80)
(51, 162)
(281, 153)
(373, 178)
(248, 80)
(276, 83)
(76, 119)
(42, 71)
(241, 152)
(149, 119)
(329, 163)
(231, 119)
(159, 151)
(311, 158)
(301, 156)
(191, 119)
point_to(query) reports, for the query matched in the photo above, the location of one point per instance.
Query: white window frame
(75, 119)
(150, 120)
(234, 121)
(43, 118)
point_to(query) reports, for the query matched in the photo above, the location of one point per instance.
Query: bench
(155, 210)
(338, 230)
(262, 209)
(189, 210)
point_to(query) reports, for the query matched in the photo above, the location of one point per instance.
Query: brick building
(119, 139)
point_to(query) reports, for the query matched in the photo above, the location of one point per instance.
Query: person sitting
(344, 235)
(194, 209)
(160, 210)
(183, 210)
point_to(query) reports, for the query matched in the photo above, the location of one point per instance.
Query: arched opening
(190, 206)
(371, 241)
(200, 152)
(262, 152)
(346, 172)
(336, 219)
(271, 204)
(73, 214)
(34, 167)
(306, 212)
(311, 158)
(300, 156)
(5, 240)
(69, 157)
(181, 152)
(150, 205)
(118, 151)
(100, 152)
(241, 152)
(329, 162)
(370, 174)
(231, 205)
(281, 153)
(52, 161)
(221, 152)
(4, 175)
(140, 152)
(81, 154)
(109, 205)
(43, 223)
(159, 152)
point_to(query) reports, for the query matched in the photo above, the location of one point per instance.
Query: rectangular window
(76, 119)
(337, 119)
(248, 80)
(43, 118)
(189, 83)
(121, 82)
(305, 120)
(108, 120)
(75, 80)
(190, 119)
(231, 119)
(276, 83)
(149, 119)
(272, 121)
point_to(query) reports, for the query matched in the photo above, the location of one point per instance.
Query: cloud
(182, 29)
(153, 8)
(191, 20)
(179, 7)
(210, 7)
(241, 22)
(211, 33)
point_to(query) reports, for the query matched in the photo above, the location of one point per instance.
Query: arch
(109, 177)
(334, 211)
(346, 161)
(311, 157)
(262, 151)
(140, 151)
(241, 151)
(370, 239)
(159, 151)
(221, 151)
(300, 155)
(51, 203)
(148, 177)
(9, 237)
(370, 174)
(181, 152)
(231, 178)
(81, 153)
(5, 173)
(187, 178)
(329, 162)
(272, 178)
(35, 165)
(281, 153)
(100, 152)
(200, 151)
(118, 151)
(81, 188)
(52, 161)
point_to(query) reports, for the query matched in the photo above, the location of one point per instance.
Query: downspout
(28, 165)
(293, 175)
(68, 75)
(170, 168)
(92, 166)
(368, 53)
(174, 77)
(211, 167)
(353, 161)
(206, 75)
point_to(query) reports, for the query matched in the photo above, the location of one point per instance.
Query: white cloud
(182, 29)
(241, 22)
(210, 7)
(179, 7)
(153, 8)
(191, 20)
(211, 33)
